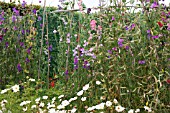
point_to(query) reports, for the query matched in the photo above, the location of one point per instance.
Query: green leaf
(124, 1)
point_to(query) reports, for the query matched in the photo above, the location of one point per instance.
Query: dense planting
(115, 60)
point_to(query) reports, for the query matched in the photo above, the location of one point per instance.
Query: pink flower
(168, 26)
(93, 24)
(99, 28)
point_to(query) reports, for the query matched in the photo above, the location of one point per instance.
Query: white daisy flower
(108, 103)
(60, 107)
(100, 106)
(41, 104)
(147, 109)
(131, 111)
(73, 110)
(98, 82)
(33, 106)
(24, 109)
(65, 103)
(45, 97)
(115, 101)
(83, 98)
(119, 108)
(80, 93)
(55, 31)
(91, 108)
(15, 88)
(86, 87)
(72, 99)
(37, 100)
(61, 96)
(137, 110)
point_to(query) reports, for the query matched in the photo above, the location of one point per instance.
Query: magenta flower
(114, 48)
(132, 26)
(113, 18)
(154, 5)
(66, 72)
(15, 11)
(1, 38)
(155, 37)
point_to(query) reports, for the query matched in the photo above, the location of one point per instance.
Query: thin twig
(48, 53)
(39, 68)
(72, 10)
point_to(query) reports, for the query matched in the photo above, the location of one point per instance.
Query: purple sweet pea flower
(34, 11)
(50, 48)
(86, 64)
(28, 31)
(120, 42)
(113, 18)
(21, 44)
(127, 47)
(23, 4)
(6, 44)
(29, 50)
(154, 5)
(132, 26)
(15, 11)
(17, 50)
(23, 31)
(5, 30)
(126, 28)
(39, 18)
(66, 72)
(27, 60)
(155, 37)
(88, 10)
(75, 63)
(141, 61)
(14, 18)
(14, 28)
(149, 31)
(19, 67)
(41, 25)
(75, 60)
(109, 51)
(59, 7)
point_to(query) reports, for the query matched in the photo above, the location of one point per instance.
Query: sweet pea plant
(115, 60)
(18, 44)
